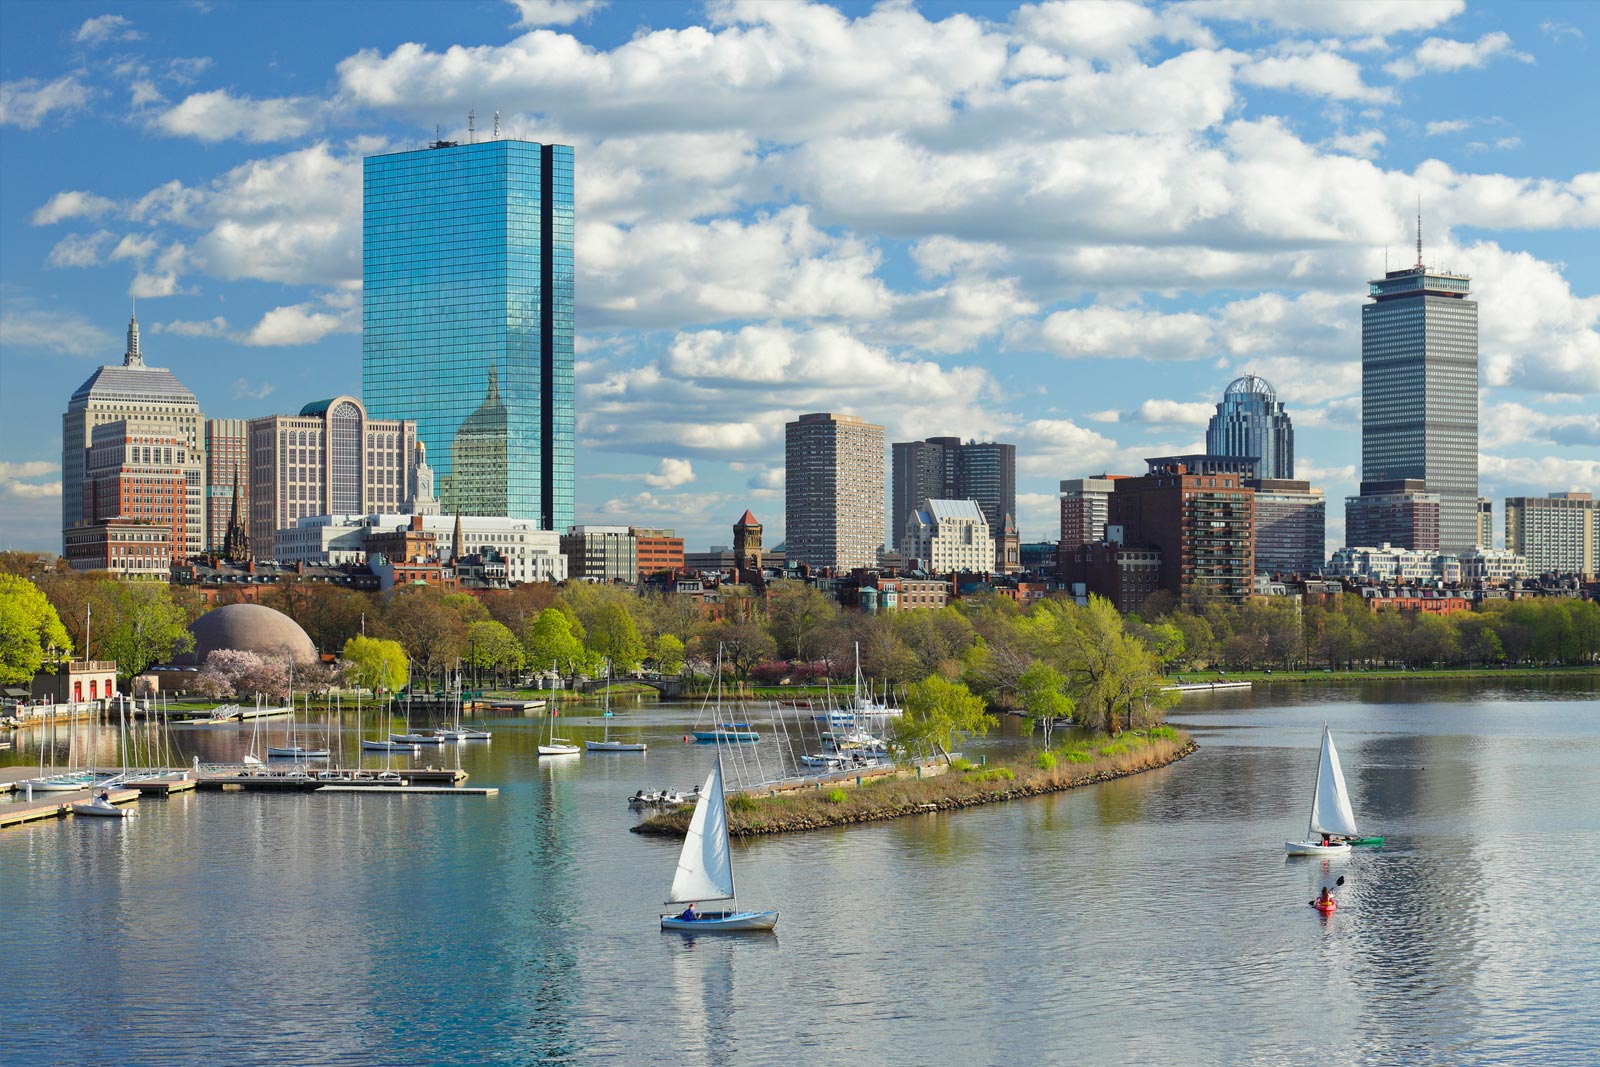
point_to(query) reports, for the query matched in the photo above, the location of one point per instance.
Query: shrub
(742, 802)
(835, 796)
(962, 764)
(1046, 761)
(1165, 733)
(1115, 748)
(1077, 755)
(994, 774)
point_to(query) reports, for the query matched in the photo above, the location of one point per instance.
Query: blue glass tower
(1251, 423)
(467, 319)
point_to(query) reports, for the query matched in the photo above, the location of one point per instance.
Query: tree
(795, 612)
(146, 626)
(615, 636)
(427, 624)
(232, 672)
(1040, 689)
(743, 644)
(29, 629)
(492, 647)
(936, 709)
(552, 641)
(1110, 671)
(376, 664)
(669, 654)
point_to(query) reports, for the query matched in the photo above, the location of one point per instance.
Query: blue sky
(1066, 225)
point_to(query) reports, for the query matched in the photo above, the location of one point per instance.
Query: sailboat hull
(723, 922)
(1315, 848)
(559, 750)
(613, 746)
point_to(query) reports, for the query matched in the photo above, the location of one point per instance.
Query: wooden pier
(56, 805)
(431, 790)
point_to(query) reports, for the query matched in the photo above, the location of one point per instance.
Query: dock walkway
(56, 805)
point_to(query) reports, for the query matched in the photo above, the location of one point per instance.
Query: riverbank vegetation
(964, 784)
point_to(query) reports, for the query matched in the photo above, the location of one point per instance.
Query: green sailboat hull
(1370, 842)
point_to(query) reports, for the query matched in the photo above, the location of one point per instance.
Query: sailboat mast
(1316, 783)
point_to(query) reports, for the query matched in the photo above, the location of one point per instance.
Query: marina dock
(433, 790)
(56, 805)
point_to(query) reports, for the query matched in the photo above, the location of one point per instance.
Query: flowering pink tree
(234, 673)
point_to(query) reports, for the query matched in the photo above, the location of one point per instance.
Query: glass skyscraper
(1419, 392)
(1251, 423)
(467, 273)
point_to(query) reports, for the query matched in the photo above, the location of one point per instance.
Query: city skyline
(746, 266)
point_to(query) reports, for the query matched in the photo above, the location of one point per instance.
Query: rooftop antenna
(497, 125)
(472, 128)
(1419, 232)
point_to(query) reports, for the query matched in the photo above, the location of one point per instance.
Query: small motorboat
(101, 806)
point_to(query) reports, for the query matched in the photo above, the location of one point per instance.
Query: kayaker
(1324, 899)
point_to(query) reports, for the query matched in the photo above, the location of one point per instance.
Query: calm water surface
(1153, 920)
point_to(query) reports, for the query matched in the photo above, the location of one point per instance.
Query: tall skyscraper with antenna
(467, 272)
(1419, 396)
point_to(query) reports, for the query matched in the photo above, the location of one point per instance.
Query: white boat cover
(705, 866)
(1330, 810)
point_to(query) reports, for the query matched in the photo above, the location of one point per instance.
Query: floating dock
(432, 790)
(56, 805)
(1204, 687)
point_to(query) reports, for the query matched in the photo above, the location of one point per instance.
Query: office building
(529, 553)
(943, 468)
(1400, 513)
(333, 459)
(1251, 423)
(1559, 533)
(601, 554)
(133, 476)
(227, 469)
(125, 548)
(949, 537)
(659, 551)
(467, 298)
(833, 491)
(1084, 502)
(1290, 527)
(1485, 522)
(149, 399)
(1419, 391)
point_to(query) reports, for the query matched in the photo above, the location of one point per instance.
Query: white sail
(1330, 809)
(705, 866)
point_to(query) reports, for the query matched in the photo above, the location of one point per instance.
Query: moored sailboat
(608, 745)
(705, 871)
(556, 746)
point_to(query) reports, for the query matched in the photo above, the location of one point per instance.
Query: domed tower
(1250, 422)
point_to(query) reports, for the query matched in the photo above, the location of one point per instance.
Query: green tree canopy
(669, 654)
(146, 626)
(29, 627)
(936, 709)
(377, 664)
(615, 636)
(551, 640)
(493, 647)
(1041, 691)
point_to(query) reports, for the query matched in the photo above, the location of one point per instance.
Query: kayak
(1326, 909)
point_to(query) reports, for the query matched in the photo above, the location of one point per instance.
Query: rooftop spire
(1419, 232)
(132, 358)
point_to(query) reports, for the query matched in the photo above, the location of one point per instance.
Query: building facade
(227, 470)
(1123, 575)
(530, 553)
(1084, 504)
(747, 541)
(949, 537)
(601, 554)
(943, 468)
(467, 304)
(1419, 391)
(833, 491)
(1202, 524)
(1485, 522)
(333, 459)
(658, 550)
(1400, 513)
(126, 548)
(1558, 534)
(150, 399)
(146, 478)
(1290, 527)
(1251, 423)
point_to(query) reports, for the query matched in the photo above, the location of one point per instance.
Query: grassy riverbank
(963, 785)
(1409, 674)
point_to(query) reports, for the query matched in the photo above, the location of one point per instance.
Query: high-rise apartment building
(943, 468)
(150, 399)
(467, 304)
(1250, 422)
(1485, 522)
(1419, 391)
(1083, 510)
(1401, 513)
(1290, 527)
(333, 459)
(227, 468)
(833, 491)
(1202, 524)
(1558, 534)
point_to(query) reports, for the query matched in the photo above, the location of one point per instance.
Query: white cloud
(1434, 129)
(299, 324)
(104, 28)
(670, 474)
(1501, 476)
(1172, 413)
(1108, 29)
(1556, 31)
(72, 204)
(1506, 424)
(244, 389)
(1368, 18)
(27, 102)
(1126, 333)
(554, 12)
(81, 250)
(1364, 144)
(65, 332)
(1318, 74)
(1439, 54)
(219, 116)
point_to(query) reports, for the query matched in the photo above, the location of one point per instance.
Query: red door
(77, 691)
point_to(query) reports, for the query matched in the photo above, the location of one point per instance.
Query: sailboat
(705, 871)
(1331, 817)
(558, 746)
(609, 745)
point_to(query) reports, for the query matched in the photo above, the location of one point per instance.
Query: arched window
(344, 447)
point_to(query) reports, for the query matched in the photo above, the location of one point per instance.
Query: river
(1149, 920)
